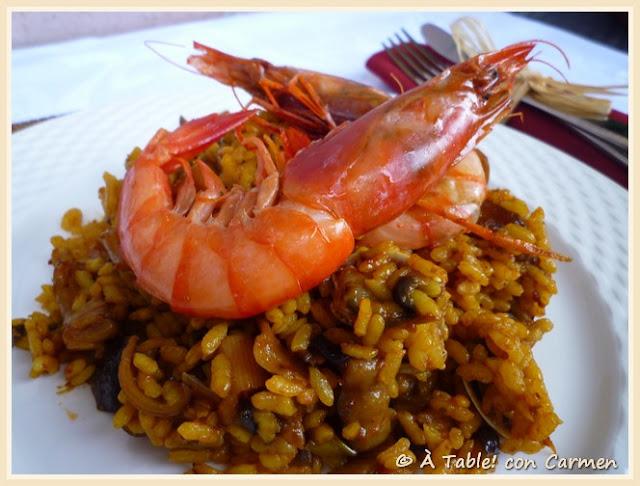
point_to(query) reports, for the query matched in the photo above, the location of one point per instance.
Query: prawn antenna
(400, 86)
(151, 45)
(556, 47)
(235, 95)
(516, 114)
(546, 63)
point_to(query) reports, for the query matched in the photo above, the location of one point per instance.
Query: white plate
(58, 165)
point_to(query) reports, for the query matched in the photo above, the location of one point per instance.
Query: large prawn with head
(210, 252)
(310, 101)
(313, 101)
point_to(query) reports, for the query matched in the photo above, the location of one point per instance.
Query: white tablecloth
(81, 74)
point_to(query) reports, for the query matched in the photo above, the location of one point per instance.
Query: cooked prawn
(315, 101)
(296, 230)
(305, 97)
(462, 189)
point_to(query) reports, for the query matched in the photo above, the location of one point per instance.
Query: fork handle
(609, 149)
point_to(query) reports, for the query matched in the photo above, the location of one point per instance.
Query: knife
(600, 135)
(440, 41)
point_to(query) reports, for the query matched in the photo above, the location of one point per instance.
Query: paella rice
(385, 357)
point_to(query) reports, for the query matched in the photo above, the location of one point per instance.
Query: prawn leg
(168, 148)
(503, 241)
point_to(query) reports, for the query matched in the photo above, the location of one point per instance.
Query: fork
(417, 62)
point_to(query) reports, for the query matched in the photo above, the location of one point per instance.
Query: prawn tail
(503, 241)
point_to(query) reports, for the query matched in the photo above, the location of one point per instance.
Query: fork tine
(400, 56)
(425, 53)
(426, 70)
(408, 62)
(398, 62)
(399, 50)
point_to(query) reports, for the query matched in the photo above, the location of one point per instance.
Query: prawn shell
(247, 267)
(233, 271)
(376, 168)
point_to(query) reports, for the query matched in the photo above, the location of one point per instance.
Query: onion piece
(89, 326)
(246, 374)
(137, 397)
(271, 355)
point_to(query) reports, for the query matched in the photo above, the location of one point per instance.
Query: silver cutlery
(419, 63)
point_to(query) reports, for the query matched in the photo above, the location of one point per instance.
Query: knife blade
(440, 41)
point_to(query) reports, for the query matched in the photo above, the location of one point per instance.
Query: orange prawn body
(378, 166)
(217, 255)
(308, 98)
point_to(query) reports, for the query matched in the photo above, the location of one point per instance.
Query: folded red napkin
(534, 122)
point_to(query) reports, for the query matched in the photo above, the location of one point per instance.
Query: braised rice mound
(379, 360)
